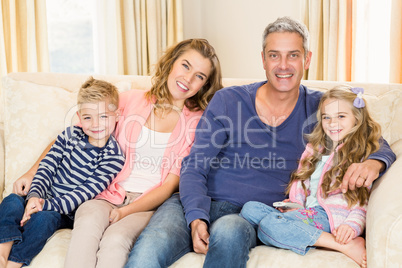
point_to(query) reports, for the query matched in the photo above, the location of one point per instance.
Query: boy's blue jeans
(167, 237)
(31, 238)
(296, 230)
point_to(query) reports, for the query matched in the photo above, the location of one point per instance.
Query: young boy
(81, 163)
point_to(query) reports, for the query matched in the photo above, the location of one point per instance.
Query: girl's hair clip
(358, 102)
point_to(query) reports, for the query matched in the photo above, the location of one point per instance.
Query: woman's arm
(150, 201)
(22, 185)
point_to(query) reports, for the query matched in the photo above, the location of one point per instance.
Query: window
(70, 35)
(373, 41)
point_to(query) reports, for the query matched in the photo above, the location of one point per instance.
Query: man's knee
(232, 229)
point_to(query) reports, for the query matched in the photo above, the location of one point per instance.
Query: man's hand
(344, 234)
(34, 205)
(22, 185)
(200, 235)
(361, 174)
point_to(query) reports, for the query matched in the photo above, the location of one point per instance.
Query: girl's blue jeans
(296, 230)
(31, 238)
(167, 237)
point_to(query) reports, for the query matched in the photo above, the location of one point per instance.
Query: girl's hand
(286, 210)
(344, 234)
(34, 205)
(115, 215)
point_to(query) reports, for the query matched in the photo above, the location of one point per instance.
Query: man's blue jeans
(167, 237)
(30, 239)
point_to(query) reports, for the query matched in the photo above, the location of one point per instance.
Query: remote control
(287, 205)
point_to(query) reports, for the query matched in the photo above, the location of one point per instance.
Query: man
(247, 144)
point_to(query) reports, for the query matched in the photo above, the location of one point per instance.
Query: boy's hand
(344, 234)
(33, 206)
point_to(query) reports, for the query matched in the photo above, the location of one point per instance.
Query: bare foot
(3, 262)
(11, 264)
(356, 249)
(5, 249)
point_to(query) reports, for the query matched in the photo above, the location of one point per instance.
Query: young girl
(156, 130)
(345, 134)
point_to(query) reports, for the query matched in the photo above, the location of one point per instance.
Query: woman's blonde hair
(164, 66)
(356, 146)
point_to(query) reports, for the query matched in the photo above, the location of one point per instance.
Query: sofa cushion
(29, 108)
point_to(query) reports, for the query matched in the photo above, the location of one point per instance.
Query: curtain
(396, 42)
(331, 27)
(23, 36)
(354, 40)
(131, 35)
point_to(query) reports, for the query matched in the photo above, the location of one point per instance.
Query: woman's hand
(115, 215)
(344, 234)
(22, 185)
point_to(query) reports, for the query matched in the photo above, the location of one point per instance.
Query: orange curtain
(331, 39)
(395, 75)
(355, 40)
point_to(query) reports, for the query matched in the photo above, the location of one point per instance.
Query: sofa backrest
(38, 106)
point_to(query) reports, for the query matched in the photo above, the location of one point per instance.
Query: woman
(155, 131)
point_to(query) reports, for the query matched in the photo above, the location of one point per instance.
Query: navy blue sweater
(237, 158)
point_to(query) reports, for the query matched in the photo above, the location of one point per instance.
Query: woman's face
(189, 74)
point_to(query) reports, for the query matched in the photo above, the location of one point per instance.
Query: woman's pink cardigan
(134, 112)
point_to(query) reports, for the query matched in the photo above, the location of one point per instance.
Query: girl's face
(337, 119)
(189, 74)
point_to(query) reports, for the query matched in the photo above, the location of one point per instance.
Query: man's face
(284, 62)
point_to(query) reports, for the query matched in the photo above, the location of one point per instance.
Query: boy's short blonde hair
(94, 90)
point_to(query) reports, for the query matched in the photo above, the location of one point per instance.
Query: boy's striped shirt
(74, 171)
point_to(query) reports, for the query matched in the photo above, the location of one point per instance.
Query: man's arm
(210, 138)
(365, 173)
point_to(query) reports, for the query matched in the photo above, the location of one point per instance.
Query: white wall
(234, 28)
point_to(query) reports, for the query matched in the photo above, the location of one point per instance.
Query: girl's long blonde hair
(356, 146)
(164, 66)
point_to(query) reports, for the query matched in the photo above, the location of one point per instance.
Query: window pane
(70, 35)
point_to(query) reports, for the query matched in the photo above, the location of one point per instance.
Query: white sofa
(35, 107)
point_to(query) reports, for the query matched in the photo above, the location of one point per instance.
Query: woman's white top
(146, 169)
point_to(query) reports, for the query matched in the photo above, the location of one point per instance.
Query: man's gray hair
(287, 24)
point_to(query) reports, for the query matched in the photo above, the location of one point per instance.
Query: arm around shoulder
(22, 185)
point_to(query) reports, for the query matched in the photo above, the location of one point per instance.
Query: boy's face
(98, 121)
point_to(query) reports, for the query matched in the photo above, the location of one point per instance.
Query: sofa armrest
(384, 217)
